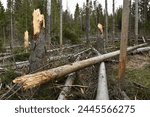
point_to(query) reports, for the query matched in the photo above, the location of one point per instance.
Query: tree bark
(136, 20)
(61, 41)
(48, 35)
(11, 24)
(37, 58)
(102, 89)
(124, 40)
(87, 21)
(106, 23)
(140, 50)
(70, 80)
(33, 80)
(113, 21)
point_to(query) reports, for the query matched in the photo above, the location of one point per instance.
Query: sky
(72, 3)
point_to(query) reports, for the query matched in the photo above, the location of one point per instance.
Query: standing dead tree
(33, 80)
(124, 40)
(61, 12)
(38, 51)
(48, 36)
(113, 37)
(87, 21)
(106, 23)
(136, 20)
(100, 40)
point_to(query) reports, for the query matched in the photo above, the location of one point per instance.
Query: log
(4, 54)
(68, 47)
(140, 50)
(102, 89)
(6, 57)
(36, 79)
(70, 80)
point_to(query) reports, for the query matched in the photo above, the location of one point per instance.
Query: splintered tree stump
(26, 41)
(100, 40)
(37, 58)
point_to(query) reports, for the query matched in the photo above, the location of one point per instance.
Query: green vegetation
(140, 76)
(8, 76)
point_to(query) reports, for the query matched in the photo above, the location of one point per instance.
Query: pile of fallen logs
(36, 79)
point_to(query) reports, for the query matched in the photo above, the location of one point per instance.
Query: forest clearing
(48, 53)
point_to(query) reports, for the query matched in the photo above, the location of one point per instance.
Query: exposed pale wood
(33, 80)
(102, 88)
(26, 39)
(37, 57)
(100, 43)
(38, 22)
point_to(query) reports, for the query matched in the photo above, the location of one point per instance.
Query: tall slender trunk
(87, 22)
(130, 23)
(4, 38)
(26, 16)
(48, 36)
(136, 20)
(145, 16)
(106, 23)
(11, 24)
(61, 41)
(113, 20)
(124, 40)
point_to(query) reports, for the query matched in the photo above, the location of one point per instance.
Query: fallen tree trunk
(33, 80)
(4, 54)
(69, 47)
(102, 89)
(140, 50)
(70, 80)
(6, 57)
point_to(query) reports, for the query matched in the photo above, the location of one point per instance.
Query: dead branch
(33, 80)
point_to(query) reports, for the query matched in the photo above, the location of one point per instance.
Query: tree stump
(37, 58)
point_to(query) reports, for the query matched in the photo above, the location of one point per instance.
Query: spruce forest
(48, 53)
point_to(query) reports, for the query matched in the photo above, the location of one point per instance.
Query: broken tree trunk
(38, 51)
(102, 89)
(124, 40)
(100, 45)
(26, 41)
(33, 80)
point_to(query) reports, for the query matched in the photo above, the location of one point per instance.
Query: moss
(22, 56)
(8, 76)
(141, 76)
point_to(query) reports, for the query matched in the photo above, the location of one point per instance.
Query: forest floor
(136, 83)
